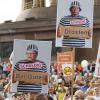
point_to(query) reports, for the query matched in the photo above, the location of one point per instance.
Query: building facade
(38, 22)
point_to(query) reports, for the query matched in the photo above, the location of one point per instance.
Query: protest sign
(31, 66)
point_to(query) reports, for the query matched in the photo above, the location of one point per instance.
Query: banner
(31, 66)
(64, 58)
(97, 67)
(74, 26)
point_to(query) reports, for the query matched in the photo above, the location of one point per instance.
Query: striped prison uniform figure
(25, 65)
(66, 21)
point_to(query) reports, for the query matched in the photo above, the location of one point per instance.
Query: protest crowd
(32, 76)
(86, 86)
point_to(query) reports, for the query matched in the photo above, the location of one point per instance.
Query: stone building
(38, 22)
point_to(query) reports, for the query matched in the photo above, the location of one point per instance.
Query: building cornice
(34, 25)
(28, 26)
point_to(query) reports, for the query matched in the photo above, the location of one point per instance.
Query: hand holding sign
(99, 60)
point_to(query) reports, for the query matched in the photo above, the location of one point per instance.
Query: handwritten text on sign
(81, 32)
(31, 77)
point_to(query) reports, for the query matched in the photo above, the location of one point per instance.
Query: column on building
(53, 2)
(38, 3)
(23, 4)
(34, 3)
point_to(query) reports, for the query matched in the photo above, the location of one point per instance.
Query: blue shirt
(84, 88)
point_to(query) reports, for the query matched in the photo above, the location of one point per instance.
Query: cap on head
(32, 48)
(75, 4)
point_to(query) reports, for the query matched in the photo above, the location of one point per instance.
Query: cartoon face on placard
(67, 70)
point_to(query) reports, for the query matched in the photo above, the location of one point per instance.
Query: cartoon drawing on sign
(74, 28)
(67, 70)
(31, 64)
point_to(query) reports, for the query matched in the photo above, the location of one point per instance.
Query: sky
(10, 9)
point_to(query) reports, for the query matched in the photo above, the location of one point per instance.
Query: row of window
(37, 3)
(28, 4)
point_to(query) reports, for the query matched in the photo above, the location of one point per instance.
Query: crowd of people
(5, 77)
(85, 87)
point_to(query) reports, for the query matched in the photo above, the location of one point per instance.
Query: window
(6, 49)
(97, 2)
(40, 3)
(28, 4)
